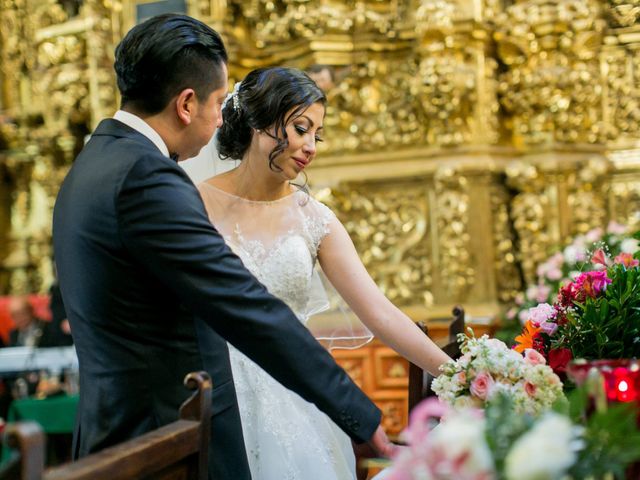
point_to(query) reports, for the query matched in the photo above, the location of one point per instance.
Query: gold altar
(464, 137)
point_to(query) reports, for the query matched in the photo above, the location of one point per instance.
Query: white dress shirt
(139, 125)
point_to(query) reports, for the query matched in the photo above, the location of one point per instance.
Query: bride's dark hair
(263, 101)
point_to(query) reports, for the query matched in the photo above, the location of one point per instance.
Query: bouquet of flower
(562, 267)
(594, 316)
(501, 443)
(488, 368)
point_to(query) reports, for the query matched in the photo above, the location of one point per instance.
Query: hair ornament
(233, 96)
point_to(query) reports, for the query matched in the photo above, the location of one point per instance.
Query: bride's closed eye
(301, 131)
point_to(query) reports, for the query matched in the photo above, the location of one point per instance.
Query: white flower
(570, 254)
(461, 435)
(553, 440)
(629, 245)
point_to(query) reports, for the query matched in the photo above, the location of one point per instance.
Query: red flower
(559, 358)
(567, 295)
(538, 344)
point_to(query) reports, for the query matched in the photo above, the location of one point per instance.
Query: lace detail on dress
(287, 266)
(285, 269)
(317, 227)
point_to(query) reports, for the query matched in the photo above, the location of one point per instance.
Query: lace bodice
(277, 241)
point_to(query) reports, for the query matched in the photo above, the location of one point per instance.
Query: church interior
(466, 142)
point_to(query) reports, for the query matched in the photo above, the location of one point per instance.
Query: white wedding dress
(285, 436)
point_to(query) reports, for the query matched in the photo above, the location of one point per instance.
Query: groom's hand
(381, 444)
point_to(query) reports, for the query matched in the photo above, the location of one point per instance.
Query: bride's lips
(302, 162)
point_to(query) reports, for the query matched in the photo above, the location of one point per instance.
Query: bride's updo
(267, 99)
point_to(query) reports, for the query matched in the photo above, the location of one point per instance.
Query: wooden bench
(179, 450)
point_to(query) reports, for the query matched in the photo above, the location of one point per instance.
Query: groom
(151, 290)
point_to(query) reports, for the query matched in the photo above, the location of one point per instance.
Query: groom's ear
(185, 104)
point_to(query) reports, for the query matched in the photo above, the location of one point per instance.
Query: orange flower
(525, 339)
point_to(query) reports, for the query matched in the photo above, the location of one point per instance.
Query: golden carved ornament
(372, 109)
(271, 22)
(623, 13)
(389, 227)
(585, 198)
(69, 86)
(623, 195)
(452, 210)
(620, 66)
(529, 211)
(552, 90)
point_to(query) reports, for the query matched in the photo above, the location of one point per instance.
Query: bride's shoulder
(316, 207)
(214, 186)
(217, 181)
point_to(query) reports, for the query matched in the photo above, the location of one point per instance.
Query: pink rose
(530, 388)
(541, 313)
(533, 357)
(482, 385)
(461, 377)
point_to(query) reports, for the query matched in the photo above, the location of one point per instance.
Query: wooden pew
(179, 450)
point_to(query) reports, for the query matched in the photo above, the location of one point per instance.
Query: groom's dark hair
(162, 56)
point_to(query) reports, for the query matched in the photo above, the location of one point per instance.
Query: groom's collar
(143, 127)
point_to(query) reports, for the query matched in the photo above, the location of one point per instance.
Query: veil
(327, 315)
(331, 321)
(207, 163)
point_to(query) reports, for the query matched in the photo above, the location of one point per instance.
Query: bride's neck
(254, 180)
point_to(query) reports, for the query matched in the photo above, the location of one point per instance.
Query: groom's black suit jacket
(152, 292)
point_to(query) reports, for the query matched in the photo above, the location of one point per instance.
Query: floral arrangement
(488, 368)
(500, 443)
(562, 267)
(594, 316)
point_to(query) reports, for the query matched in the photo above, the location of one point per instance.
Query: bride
(272, 123)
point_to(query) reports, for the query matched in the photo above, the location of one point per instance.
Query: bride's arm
(342, 266)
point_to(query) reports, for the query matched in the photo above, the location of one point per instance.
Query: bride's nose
(309, 146)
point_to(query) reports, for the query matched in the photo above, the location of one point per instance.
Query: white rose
(461, 435)
(553, 440)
